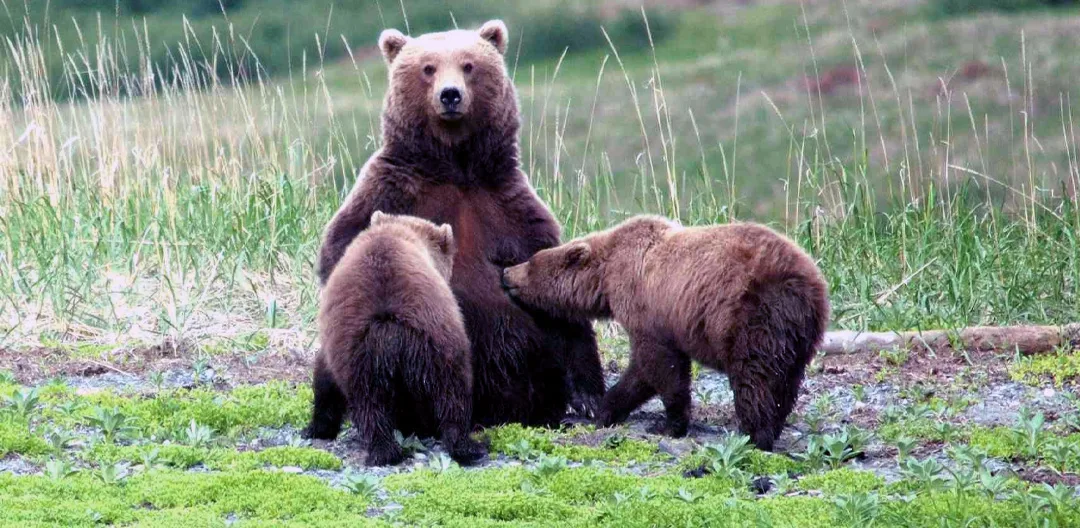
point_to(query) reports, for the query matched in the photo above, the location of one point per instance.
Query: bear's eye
(429, 70)
(467, 67)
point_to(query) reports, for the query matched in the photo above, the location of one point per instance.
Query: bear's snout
(451, 97)
(508, 279)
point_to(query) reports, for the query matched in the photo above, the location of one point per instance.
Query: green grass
(190, 216)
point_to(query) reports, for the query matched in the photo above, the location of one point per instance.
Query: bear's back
(386, 272)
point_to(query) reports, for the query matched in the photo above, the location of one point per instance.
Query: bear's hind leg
(451, 399)
(373, 418)
(328, 408)
(756, 404)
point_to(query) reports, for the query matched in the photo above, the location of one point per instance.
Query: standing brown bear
(739, 298)
(450, 155)
(394, 346)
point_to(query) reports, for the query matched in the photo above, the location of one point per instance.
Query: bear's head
(566, 280)
(584, 278)
(437, 240)
(448, 84)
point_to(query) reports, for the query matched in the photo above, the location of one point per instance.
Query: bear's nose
(450, 96)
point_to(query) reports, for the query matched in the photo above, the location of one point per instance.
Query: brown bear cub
(394, 349)
(739, 298)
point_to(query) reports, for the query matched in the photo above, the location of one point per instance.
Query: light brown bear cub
(739, 298)
(394, 353)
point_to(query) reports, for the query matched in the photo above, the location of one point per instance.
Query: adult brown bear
(450, 155)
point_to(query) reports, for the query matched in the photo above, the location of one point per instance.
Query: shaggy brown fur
(739, 298)
(450, 155)
(394, 349)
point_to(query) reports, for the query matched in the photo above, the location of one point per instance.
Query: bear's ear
(390, 42)
(494, 31)
(577, 254)
(445, 236)
(376, 217)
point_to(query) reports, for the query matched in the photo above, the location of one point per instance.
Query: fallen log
(1026, 340)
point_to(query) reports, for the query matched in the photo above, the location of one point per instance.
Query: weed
(904, 446)
(112, 423)
(409, 446)
(1029, 433)
(362, 484)
(112, 474)
(196, 435)
(859, 510)
(441, 463)
(23, 403)
(58, 469)
(729, 455)
(59, 439)
(548, 466)
(926, 474)
(896, 357)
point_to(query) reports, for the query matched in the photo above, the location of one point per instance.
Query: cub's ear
(390, 42)
(377, 217)
(578, 253)
(446, 238)
(494, 31)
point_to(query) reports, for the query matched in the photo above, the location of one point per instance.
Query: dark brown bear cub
(739, 298)
(394, 349)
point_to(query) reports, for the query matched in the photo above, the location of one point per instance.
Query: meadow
(163, 190)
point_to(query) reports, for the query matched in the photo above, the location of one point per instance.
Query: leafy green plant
(896, 357)
(1061, 454)
(814, 455)
(688, 496)
(409, 446)
(904, 446)
(59, 439)
(441, 463)
(841, 447)
(547, 466)
(196, 435)
(111, 474)
(1029, 433)
(23, 402)
(858, 510)
(729, 455)
(927, 474)
(858, 391)
(58, 469)
(112, 423)
(362, 484)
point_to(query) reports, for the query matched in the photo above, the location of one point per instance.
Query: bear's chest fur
(488, 236)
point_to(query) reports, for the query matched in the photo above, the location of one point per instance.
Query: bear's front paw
(468, 452)
(318, 432)
(384, 454)
(668, 428)
(584, 404)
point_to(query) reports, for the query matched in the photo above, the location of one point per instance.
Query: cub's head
(452, 82)
(438, 240)
(565, 280)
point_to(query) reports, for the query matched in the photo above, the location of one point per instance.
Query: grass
(177, 215)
